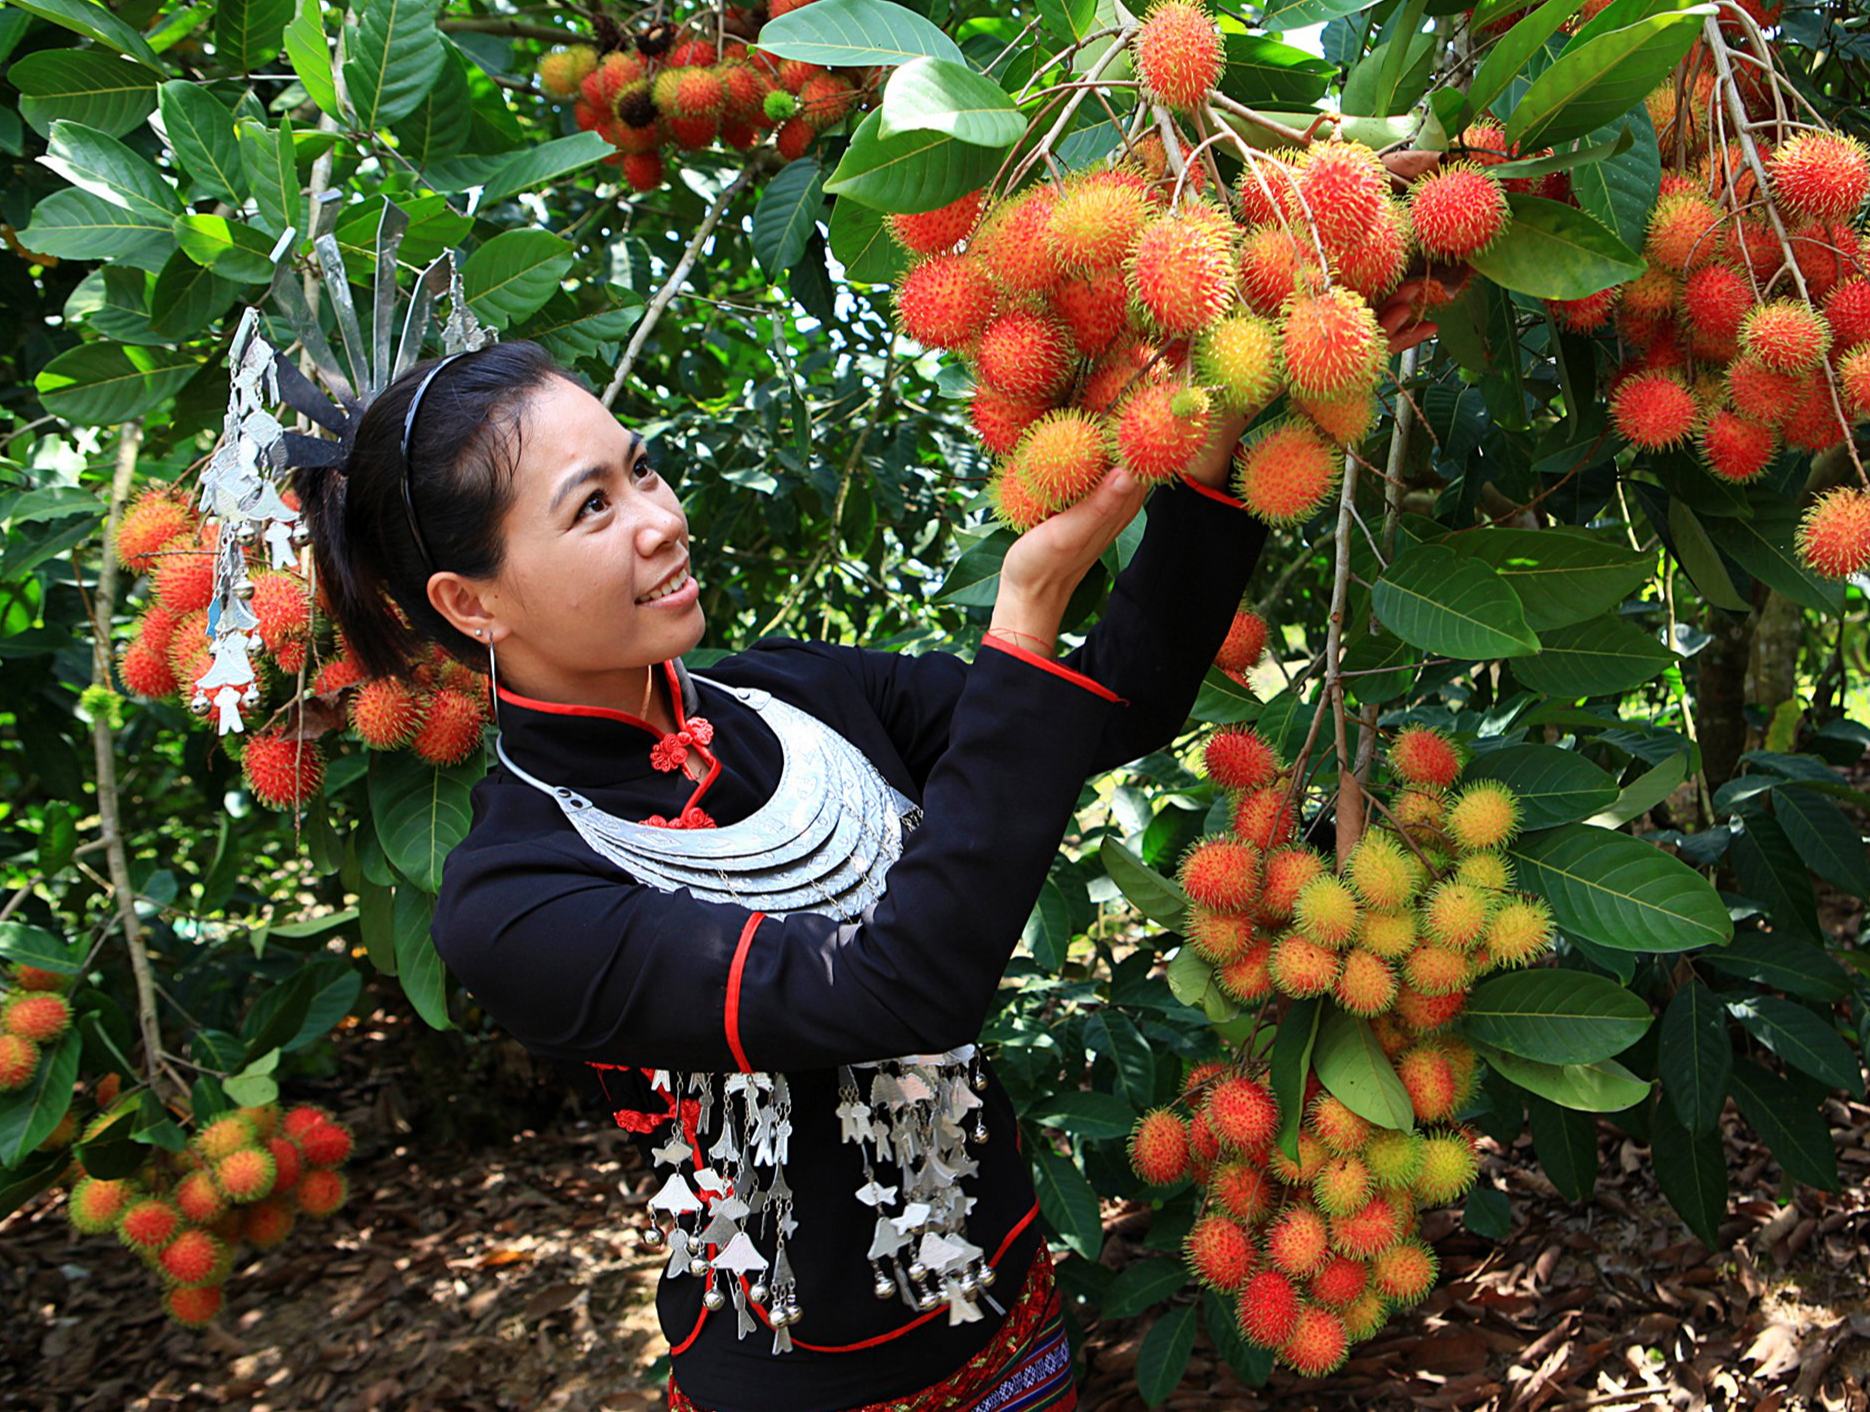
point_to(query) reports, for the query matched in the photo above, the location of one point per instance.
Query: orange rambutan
(1421, 755)
(1271, 265)
(1762, 394)
(1238, 757)
(1854, 380)
(1183, 269)
(1653, 410)
(1341, 1185)
(1424, 1014)
(1786, 335)
(1242, 1113)
(1301, 967)
(1429, 1079)
(1370, 1230)
(1286, 472)
(1383, 872)
(1737, 448)
(1095, 308)
(1715, 300)
(1374, 264)
(1834, 533)
(1012, 503)
(1588, 314)
(1161, 427)
(154, 520)
(1025, 355)
(1265, 817)
(1339, 1282)
(1249, 976)
(793, 140)
(1000, 420)
(1298, 1240)
(1158, 1147)
(1220, 937)
(1458, 211)
(1318, 1343)
(1455, 913)
(1345, 420)
(452, 725)
(1436, 970)
(1404, 1273)
(1095, 224)
(183, 571)
(1823, 176)
(939, 231)
(19, 1061)
(1061, 458)
(1220, 1253)
(1814, 424)
(1245, 643)
(1287, 871)
(1847, 310)
(1178, 53)
(1014, 239)
(386, 713)
(283, 772)
(943, 301)
(1332, 343)
(1684, 232)
(1242, 1190)
(1343, 187)
(1221, 873)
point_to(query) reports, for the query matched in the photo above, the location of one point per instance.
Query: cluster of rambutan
(440, 712)
(690, 93)
(32, 1016)
(1721, 348)
(244, 1178)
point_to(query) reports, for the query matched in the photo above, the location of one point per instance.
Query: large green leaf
(187, 299)
(28, 1114)
(1694, 1056)
(1554, 786)
(77, 225)
(1691, 1169)
(90, 86)
(391, 59)
(913, 171)
(1116, 1037)
(1351, 1064)
(419, 967)
(95, 22)
(421, 812)
(1771, 872)
(1065, 1196)
(940, 95)
(1621, 892)
(1830, 844)
(1264, 73)
(1643, 793)
(1556, 1017)
(1156, 897)
(1084, 1114)
(1163, 1357)
(1566, 1142)
(1801, 969)
(1509, 55)
(1140, 1284)
(512, 275)
(98, 163)
(247, 31)
(1603, 1087)
(787, 214)
(1293, 1043)
(201, 134)
(1602, 657)
(310, 55)
(1621, 190)
(855, 33)
(270, 158)
(1562, 575)
(1447, 603)
(1695, 552)
(1800, 1038)
(101, 384)
(1795, 1131)
(1763, 545)
(1603, 78)
(232, 249)
(861, 241)
(506, 174)
(433, 128)
(1555, 251)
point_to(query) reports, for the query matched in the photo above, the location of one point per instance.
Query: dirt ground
(486, 1261)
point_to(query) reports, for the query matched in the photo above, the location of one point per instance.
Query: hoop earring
(493, 682)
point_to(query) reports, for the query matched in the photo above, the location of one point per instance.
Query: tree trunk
(1722, 692)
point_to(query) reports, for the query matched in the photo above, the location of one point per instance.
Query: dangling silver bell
(758, 1292)
(713, 1298)
(980, 1131)
(979, 1080)
(244, 590)
(970, 1284)
(201, 705)
(918, 1271)
(929, 1300)
(649, 1237)
(300, 534)
(246, 531)
(698, 1265)
(987, 1276)
(793, 1312)
(884, 1288)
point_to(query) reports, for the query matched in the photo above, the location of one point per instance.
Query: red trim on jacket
(607, 713)
(731, 1015)
(1211, 492)
(1055, 667)
(915, 1323)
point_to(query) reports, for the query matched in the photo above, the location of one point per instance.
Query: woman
(677, 877)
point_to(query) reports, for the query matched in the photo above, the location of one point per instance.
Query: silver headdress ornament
(239, 488)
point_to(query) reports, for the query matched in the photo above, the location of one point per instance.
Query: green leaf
(1085, 1114)
(270, 160)
(1763, 546)
(1407, 71)
(91, 86)
(1798, 969)
(102, 384)
(1293, 1043)
(1555, 1017)
(391, 59)
(570, 332)
(1603, 657)
(854, 34)
(77, 225)
(509, 173)
(1554, 786)
(1800, 1038)
(1603, 1087)
(1555, 251)
(27, 945)
(1224, 701)
(1065, 1196)
(512, 275)
(1794, 1131)
(1700, 560)
(1694, 1057)
(1828, 842)
(1621, 892)
(1140, 1284)
(1446, 603)
(1163, 1358)
(1352, 1065)
(232, 249)
(1691, 1169)
(1621, 190)
(1301, 14)
(1772, 873)
(1117, 1038)
(914, 171)
(98, 163)
(94, 22)
(421, 812)
(310, 54)
(247, 31)
(1562, 575)
(418, 964)
(1508, 57)
(1262, 72)
(861, 241)
(1643, 793)
(1047, 933)
(28, 1114)
(1487, 1213)
(1566, 1141)
(786, 216)
(433, 129)
(1156, 897)
(187, 299)
(1601, 79)
(201, 134)
(940, 95)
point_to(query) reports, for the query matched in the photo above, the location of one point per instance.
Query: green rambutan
(1342, 1185)
(1096, 223)
(1484, 815)
(1450, 1165)
(1393, 1157)
(1239, 358)
(1327, 910)
(1488, 871)
(1390, 935)
(1455, 914)
(1383, 872)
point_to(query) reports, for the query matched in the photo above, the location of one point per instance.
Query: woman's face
(592, 532)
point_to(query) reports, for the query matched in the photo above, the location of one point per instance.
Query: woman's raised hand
(1045, 564)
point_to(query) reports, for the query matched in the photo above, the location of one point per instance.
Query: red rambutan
(1318, 1343)
(1458, 211)
(1161, 427)
(1220, 873)
(938, 231)
(944, 300)
(1332, 343)
(1822, 176)
(1000, 420)
(1220, 1253)
(1245, 643)
(1179, 53)
(1834, 534)
(1736, 448)
(1159, 1147)
(1787, 335)
(1242, 1113)
(1653, 410)
(1238, 757)
(1286, 472)
(1183, 268)
(282, 772)
(1024, 355)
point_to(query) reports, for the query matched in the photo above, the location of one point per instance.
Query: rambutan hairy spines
(1301, 967)
(1331, 342)
(1183, 269)
(1297, 1240)
(1179, 53)
(1384, 873)
(1485, 815)
(1242, 1190)
(1519, 932)
(1786, 335)
(1736, 448)
(1095, 224)
(1366, 984)
(938, 231)
(1421, 755)
(1220, 937)
(1327, 910)
(1161, 427)
(1684, 232)
(1244, 644)
(1238, 757)
(1242, 1113)
(1458, 210)
(1267, 1309)
(1344, 188)
(1834, 533)
(1285, 874)
(1012, 238)
(1823, 176)
(1286, 471)
(1221, 873)
(1061, 458)
(1024, 355)
(944, 300)
(1158, 1147)
(1000, 420)
(1450, 1166)
(1653, 410)
(1318, 1343)
(1220, 1253)
(1405, 1273)
(1239, 358)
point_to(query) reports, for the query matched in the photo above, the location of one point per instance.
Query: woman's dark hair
(463, 450)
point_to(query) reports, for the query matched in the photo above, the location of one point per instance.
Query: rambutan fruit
(1343, 187)
(1220, 1253)
(1183, 269)
(1244, 645)
(1653, 293)
(19, 1061)
(1424, 1014)
(1437, 970)
(1286, 873)
(97, 1203)
(1161, 427)
(1405, 1273)
(1095, 309)
(939, 231)
(1267, 1309)
(1238, 757)
(1327, 910)
(825, 99)
(1178, 53)
(283, 772)
(1684, 232)
(1000, 420)
(1365, 1315)
(1242, 1113)
(1370, 1230)
(1786, 335)
(1265, 192)
(1458, 211)
(1847, 310)
(1342, 1131)
(1484, 815)
(1024, 355)
(1221, 873)
(1430, 1081)
(1390, 935)
(1455, 914)
(1015, 241)
(1286, 472)
(385, 712)
(1345, 420)
(1061, 458)
(1272, 264)
(1300, 967)
(198, 1199)
(1298, 1240)
(246, 1174)
(182, 574)
(1298, 1171)
(41, 1016)
(644, 170)
(452, 727)
(1383, 872)
(325, 1144)
(1736, 448)
(1238, 357)
(1108, 382)
(1200, 1078)
(38, 978)
(1204, 1145)
(1158, 1147)
(149, 1224)
(1095, 224)
(944, 301)
(1248, 977)
(1854, 380)
(793, 139)
(1339, 1282)
(154, 520)
(1242, 1190)
(1013, 505)
(1219, 937)
(320, 1193)
(1715, 299)
(1588, 314)
(1653, 410)
(1834, 533)
(1393, 1157)
(1814, 424)
(1318, 1343)
(192, 1306)
(1374, 264)
(562, 70)
(1341, 1186)
(1332, 343)
(1366, 985)
(1823, 176)
(1450, 1165)
(192, 1257)
(1760, 394)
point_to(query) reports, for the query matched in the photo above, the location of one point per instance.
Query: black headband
(409, 422)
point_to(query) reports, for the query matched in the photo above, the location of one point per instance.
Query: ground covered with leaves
(486, 1261)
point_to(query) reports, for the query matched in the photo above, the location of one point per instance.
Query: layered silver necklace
(823, 842)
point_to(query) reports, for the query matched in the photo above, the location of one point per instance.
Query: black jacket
(581, 963)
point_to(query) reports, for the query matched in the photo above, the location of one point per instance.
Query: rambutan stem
(1118, 45)
(1350, 810)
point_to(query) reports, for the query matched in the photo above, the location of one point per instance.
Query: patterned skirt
(1024, 1367)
